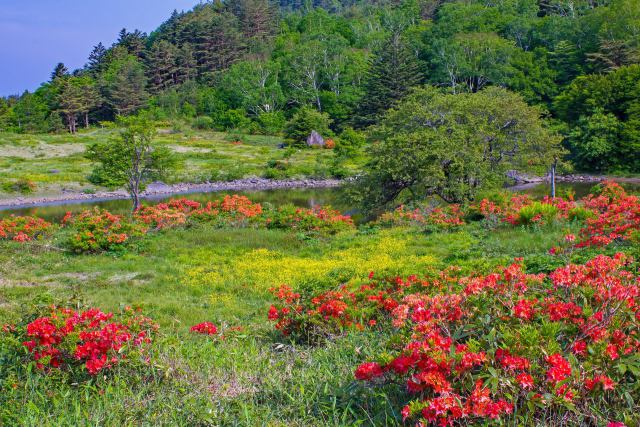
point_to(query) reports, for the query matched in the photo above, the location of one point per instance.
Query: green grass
(56, 162)
(183, 277)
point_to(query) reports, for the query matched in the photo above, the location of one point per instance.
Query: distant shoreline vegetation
(285, 69)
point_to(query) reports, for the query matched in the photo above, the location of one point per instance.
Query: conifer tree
(134, 42)
(393, 72)
(161, 66)
(185, 64)
(78, 96)
(96, 60)
(71, 102)
(218, 43)
(60, 71)
(124, 84)
(256, 18)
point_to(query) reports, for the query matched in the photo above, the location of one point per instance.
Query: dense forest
(253, 65)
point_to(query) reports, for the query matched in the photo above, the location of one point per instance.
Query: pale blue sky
(37, 34)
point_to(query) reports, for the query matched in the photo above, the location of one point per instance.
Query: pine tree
(185, 64)
(60, 71)
(96, 60)
(125, 86)
(78, 96)
(91, 99)
(393, 72)
(71, 102)
(613, 54)
(161, 66)
(134, 42)
(122, 37)
(256, 18)
(218, 43)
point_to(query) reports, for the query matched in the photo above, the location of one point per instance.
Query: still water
(303, 197)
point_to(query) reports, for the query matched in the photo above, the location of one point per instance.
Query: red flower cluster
(617, 216)
(559, 370)
(448, 325)
(23, 228)
(66, 338)
(333, 311)
(205, 328)
(368, 371)
(606, 382)
(231, 210)
(166, 215)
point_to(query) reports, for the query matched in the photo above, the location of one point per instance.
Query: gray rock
(157, 187)
(315, 140)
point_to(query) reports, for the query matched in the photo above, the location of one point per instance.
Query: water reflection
(303, 197)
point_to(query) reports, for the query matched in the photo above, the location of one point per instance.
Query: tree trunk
(86, 120)
(135, 198)
(71, 122)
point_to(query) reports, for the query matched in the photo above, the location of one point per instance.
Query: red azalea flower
(368, 371)
(205, 328)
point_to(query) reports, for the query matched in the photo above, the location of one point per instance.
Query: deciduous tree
(452, 146)
(133, 160)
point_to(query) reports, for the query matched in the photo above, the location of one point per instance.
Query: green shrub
(536, 213)
(203, 122)
(272, 123)
(580, 214)
(319, 220)
(22, 186)
(277, 169)
(303, 122)
(98, 230)
(232, 119)
(349, 142)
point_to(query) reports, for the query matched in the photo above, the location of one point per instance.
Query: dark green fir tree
(393, 72)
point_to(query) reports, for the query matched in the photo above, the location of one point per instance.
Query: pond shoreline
(159, 190)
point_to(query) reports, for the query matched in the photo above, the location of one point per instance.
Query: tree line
(253, 65)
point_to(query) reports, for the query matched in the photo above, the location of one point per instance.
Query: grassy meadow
(56, 162)
(253, 376)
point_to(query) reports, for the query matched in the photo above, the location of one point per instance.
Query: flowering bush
(91, 339)
(98, 230)
(23, 228)
(617, 216)
(439, 218)
(331, 312)
(230, 211)
(482, 347)
(166, 215)
(320, 220)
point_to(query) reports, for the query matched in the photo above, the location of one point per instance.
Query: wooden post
(553, 177)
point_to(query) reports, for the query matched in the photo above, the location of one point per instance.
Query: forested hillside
(252, 65)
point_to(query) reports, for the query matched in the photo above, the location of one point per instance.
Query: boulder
(315, 140)
(522, 178)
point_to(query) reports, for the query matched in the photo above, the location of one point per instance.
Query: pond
(302, 197)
